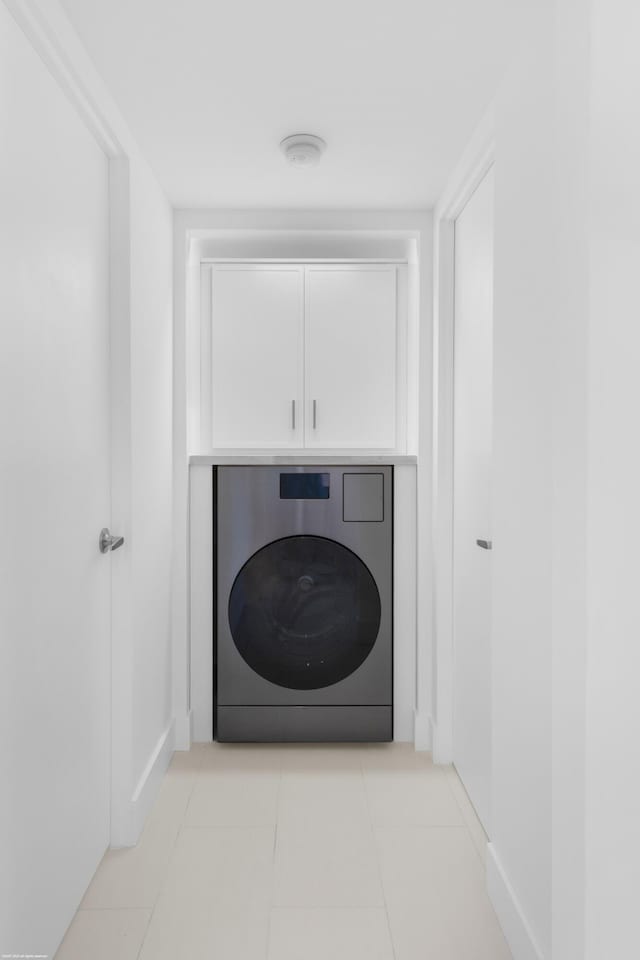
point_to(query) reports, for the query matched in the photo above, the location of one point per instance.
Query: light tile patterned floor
(296, 853)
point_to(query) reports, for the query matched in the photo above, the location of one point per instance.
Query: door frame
(474, 165)
(49, 33)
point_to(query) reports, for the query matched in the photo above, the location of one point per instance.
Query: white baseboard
(510, 914)
(441, 751)
(201, 713)
(423, 728)
(183, 731)
(149, 783)
(403, 724)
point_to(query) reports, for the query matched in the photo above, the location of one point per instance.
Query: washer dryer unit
(303, 648)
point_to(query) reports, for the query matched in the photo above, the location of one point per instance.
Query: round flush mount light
(303, 149)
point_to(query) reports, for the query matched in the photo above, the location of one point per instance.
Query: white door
(473, 341)
(257, 356)
(351, 356)
(55, 621)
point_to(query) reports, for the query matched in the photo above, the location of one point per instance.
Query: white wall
(613, 535)
(522, 491)
(152, 417)
(564, 863)
(568, 383)
(517, 135)
(566, 720)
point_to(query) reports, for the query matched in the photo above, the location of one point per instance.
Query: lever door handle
(485, 544)
(108, 542)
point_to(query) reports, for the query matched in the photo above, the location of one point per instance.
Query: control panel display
(304, 486)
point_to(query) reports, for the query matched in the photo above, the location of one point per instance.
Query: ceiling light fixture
(303, 149)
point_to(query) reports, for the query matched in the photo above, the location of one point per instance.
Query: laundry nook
(303, 492)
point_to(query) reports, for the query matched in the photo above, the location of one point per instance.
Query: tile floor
(296, 852)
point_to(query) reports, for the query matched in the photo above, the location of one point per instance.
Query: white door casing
(472, 428)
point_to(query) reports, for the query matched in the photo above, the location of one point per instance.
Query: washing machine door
(304, 612)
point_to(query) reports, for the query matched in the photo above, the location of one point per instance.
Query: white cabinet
(257, 329)
(303, 355)
(350, 387)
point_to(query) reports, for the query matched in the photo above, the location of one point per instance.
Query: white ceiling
(209, 89)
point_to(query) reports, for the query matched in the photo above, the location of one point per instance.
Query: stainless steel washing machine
(303, 649)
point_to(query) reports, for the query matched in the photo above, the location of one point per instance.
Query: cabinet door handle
(293, 414)
(485, 544)
(315, 419)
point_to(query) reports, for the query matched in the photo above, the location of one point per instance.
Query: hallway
(288, 852)
(319, 401)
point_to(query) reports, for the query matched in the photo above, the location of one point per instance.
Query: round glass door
(304, 612)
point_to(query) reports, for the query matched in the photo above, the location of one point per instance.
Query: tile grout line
(144, 936)
(111, 909)
(273, 864)
(447, 776)
(375, 851)
(170, 857)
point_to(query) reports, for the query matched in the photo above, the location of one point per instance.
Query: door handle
(108, 541)
(293, 414)
(485, 544)
(315, 419)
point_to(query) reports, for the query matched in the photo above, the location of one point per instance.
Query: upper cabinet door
(351, 356)
(257, 356)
